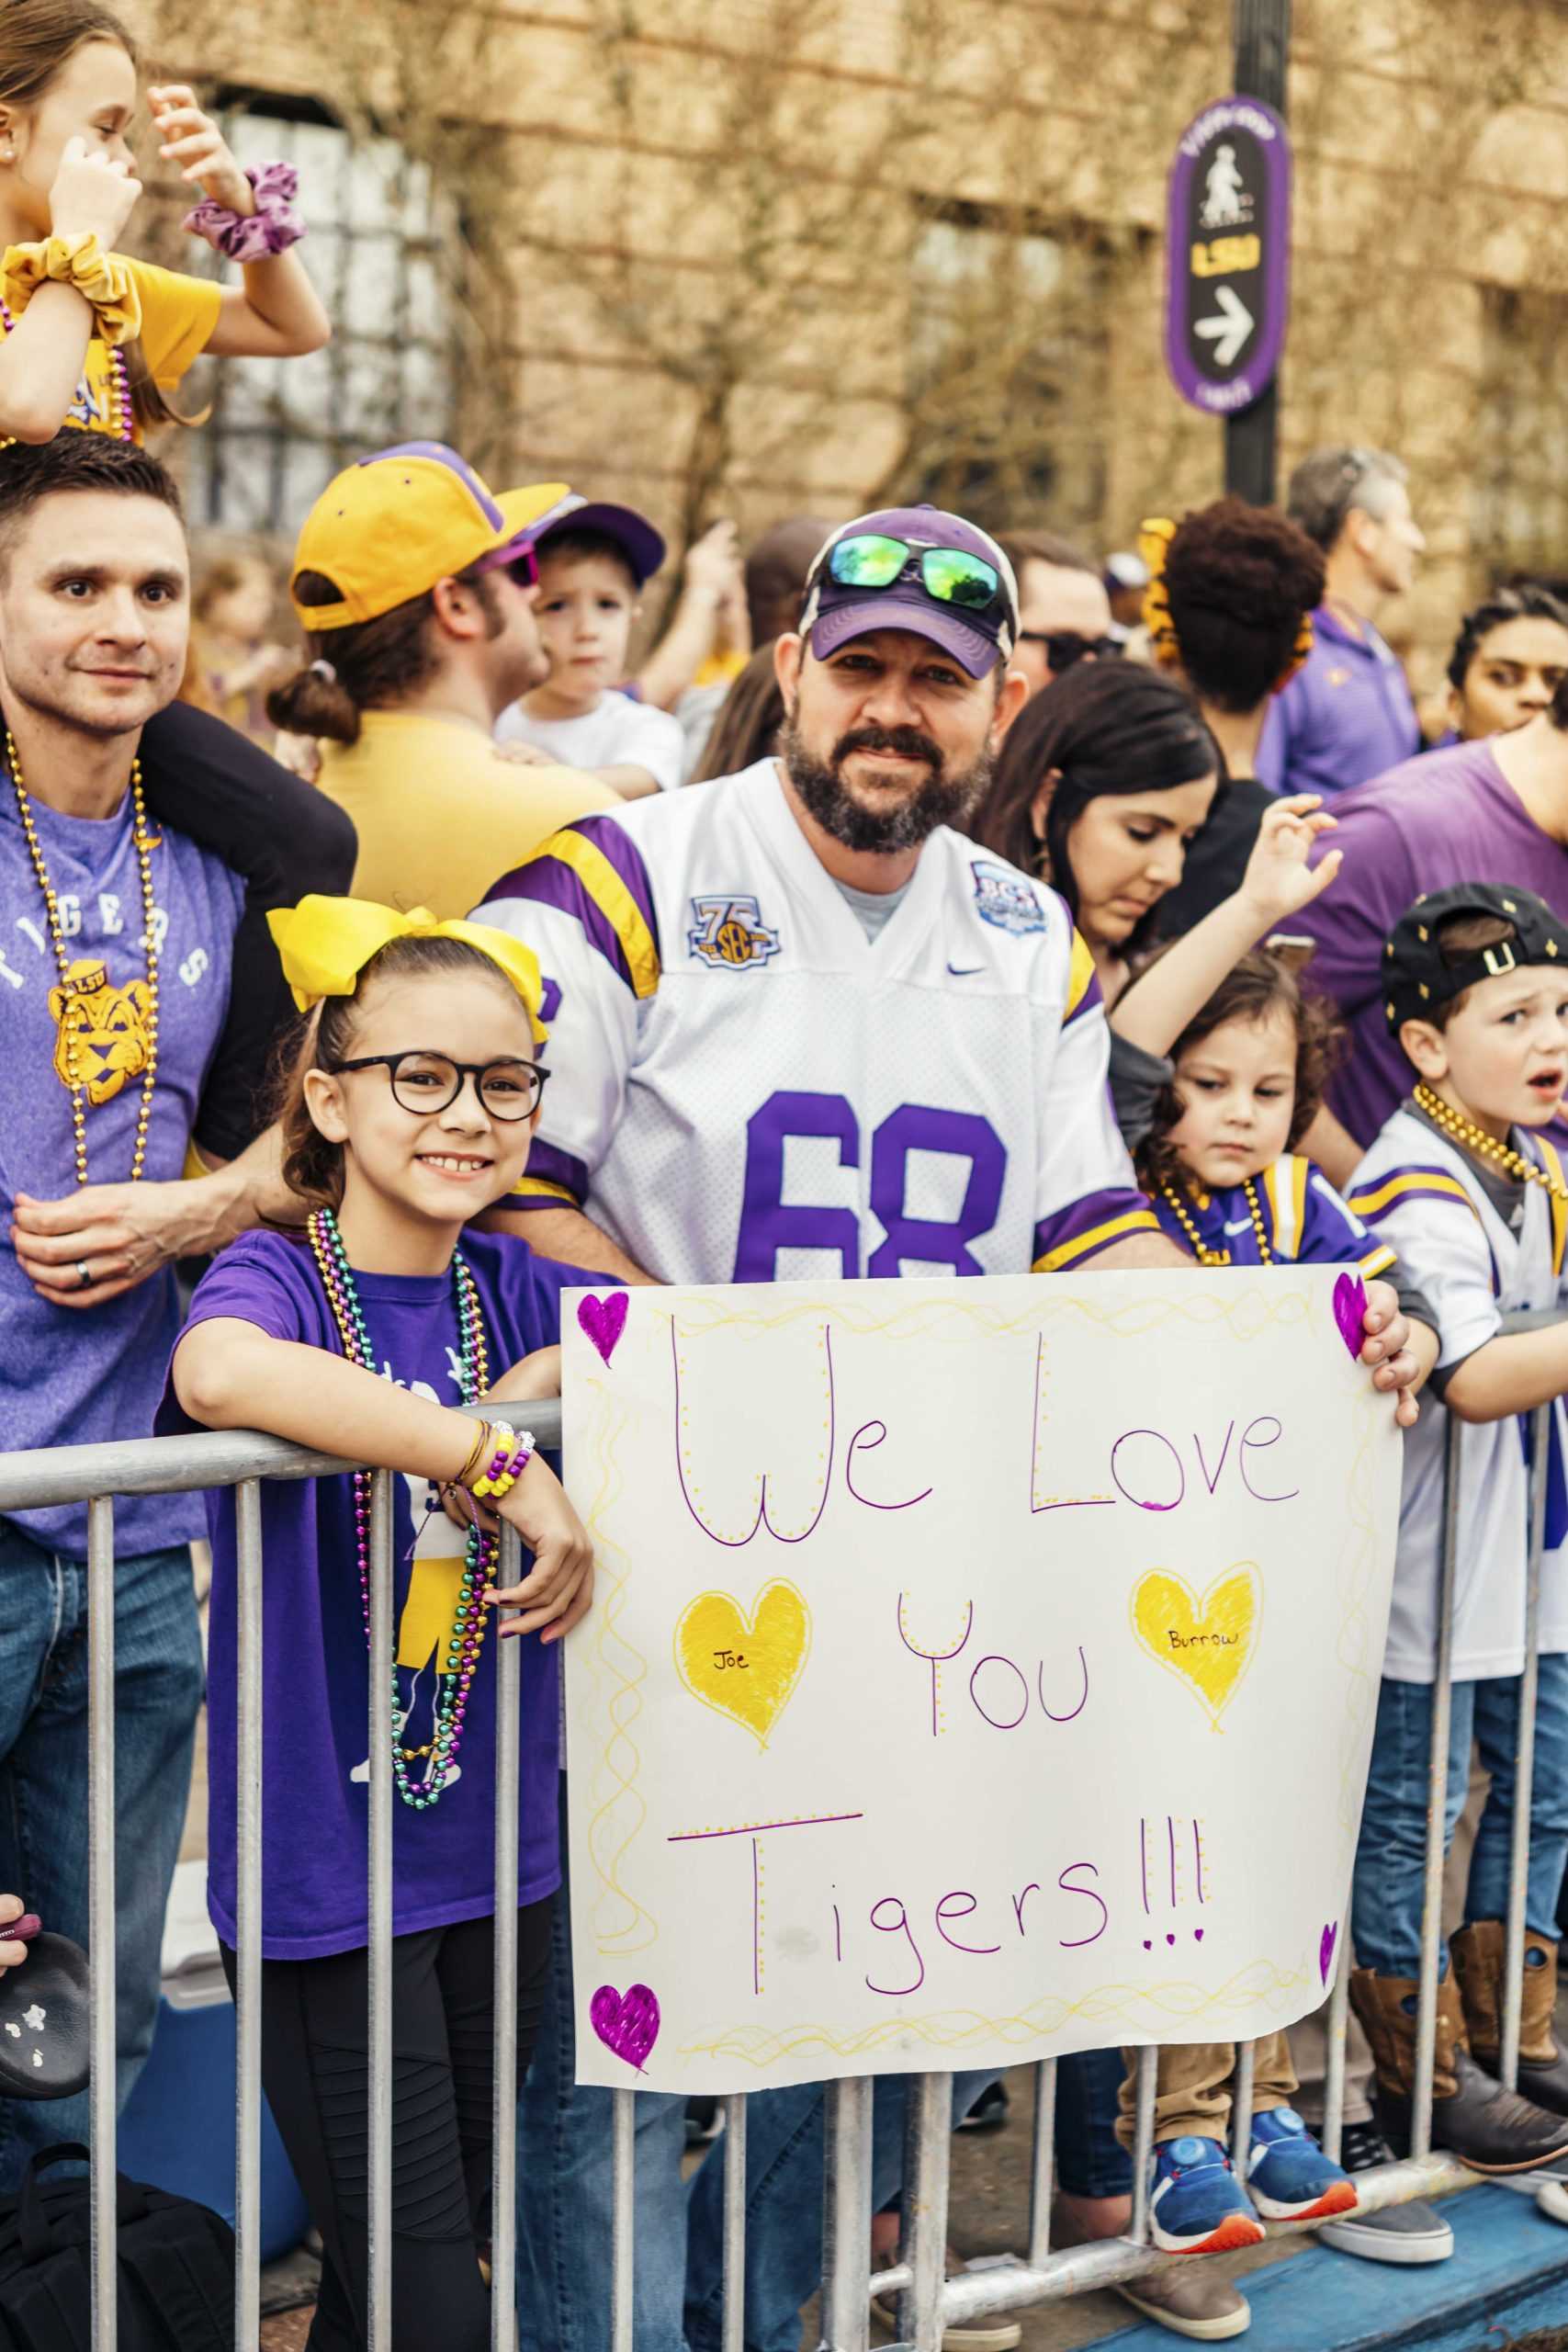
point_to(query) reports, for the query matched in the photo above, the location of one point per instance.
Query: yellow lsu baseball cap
(393, 524)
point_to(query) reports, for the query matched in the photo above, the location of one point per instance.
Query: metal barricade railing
(927, 2301)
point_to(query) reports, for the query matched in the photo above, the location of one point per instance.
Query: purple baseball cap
(834, 613)
(642, 546)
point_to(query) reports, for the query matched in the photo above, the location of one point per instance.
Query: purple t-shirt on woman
(315, 1785)
(1451, 816)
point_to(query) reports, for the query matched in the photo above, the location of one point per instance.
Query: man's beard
(941, 800)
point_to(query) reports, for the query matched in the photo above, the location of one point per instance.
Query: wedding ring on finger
(84, 1275)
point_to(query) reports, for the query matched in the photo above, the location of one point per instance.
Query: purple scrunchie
(272, 228)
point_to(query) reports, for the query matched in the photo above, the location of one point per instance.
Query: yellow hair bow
(325, 944)
(1155, 536)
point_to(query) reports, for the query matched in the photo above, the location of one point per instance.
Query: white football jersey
(745, 1089)
(1419, 1194)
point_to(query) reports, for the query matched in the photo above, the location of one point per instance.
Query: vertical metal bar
(927, 2144)
(733, 2337)
(380, 1733)
(1241, 2104)
(1524, 1755)
(101, 1916)
(1042, 2162)
(1335, 2031)
(846, 2215)
(623, 2246)
(1143, 2143)
(248, 1914)
(503, 2118)
(1436, 1805)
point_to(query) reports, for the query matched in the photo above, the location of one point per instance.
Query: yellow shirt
(440, 815)
(178, 315)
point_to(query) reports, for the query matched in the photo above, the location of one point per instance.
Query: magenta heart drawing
(604, 1320)
(626, 2023)
(1326, 1942)
(1350, 1310)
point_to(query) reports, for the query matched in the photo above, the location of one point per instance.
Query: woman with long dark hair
(1099, 785)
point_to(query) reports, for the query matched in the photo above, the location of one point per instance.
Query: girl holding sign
(410, 1107)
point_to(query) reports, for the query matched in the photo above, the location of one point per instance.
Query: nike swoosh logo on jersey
(963, 971)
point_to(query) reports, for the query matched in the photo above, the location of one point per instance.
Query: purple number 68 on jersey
(769, 1223)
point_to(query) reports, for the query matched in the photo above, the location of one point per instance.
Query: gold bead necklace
(143, 844)
(1200, 1248)
(1476, 1139)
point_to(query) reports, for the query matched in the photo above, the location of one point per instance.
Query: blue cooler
(177, 2133)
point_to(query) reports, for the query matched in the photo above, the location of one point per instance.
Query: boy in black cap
(1465, 1187)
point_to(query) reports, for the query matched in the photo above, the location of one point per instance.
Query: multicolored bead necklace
(122, 419)
(1473, 1138)
(145, 843)
(468, 1625)
(1200, 1248)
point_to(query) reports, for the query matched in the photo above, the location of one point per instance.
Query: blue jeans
(43, 1782)
(784, 2145)
(1391, 1859)
(565, 2200)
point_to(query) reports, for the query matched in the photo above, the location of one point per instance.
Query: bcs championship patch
(730, 933)
(1005, 899)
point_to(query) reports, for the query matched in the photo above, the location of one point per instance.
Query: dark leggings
(315, 2071)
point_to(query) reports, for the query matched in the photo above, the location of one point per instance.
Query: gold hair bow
(325, 944)
(1155, 536)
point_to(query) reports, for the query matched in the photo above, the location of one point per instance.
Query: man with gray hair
(1348, 715)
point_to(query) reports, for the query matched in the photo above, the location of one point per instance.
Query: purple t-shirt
(1448, 817)
(69, 1378)
(1344, 717)
(315, 1804)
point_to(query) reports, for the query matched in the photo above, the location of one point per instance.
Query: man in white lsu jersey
(802, 1026)
(799, 1026)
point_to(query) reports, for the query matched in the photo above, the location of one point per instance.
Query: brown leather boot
(1479, 1953)
(1495, 2131)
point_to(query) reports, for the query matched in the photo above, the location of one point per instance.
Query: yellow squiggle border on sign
(1138, 2010)
(621, 1923)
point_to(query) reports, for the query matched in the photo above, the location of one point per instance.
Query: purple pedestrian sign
(1227, 255)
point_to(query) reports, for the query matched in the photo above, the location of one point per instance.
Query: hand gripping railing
(927, 2302)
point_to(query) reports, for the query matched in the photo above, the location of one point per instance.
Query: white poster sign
(979, 1670)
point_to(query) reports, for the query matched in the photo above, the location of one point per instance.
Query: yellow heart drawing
(743, 1666)
(1209, 1643)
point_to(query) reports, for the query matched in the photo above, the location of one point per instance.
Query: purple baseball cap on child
(949, 602)
(642, 546)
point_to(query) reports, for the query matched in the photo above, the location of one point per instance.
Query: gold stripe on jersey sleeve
(539, 1188)
(1098, 1237)
(1417, 1180)
(1559, 1206)
(1080, 972)
(615, 902)
(1376, 1261)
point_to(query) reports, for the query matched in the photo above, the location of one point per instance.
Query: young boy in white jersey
(594, 561)
(1462, 1184)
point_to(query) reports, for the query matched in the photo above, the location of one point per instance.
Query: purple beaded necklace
(122, 424)
(466, 1638)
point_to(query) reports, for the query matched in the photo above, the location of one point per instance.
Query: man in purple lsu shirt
(1347, 716)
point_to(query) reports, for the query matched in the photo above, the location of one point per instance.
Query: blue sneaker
(1196, 2203)
(1288, 2176)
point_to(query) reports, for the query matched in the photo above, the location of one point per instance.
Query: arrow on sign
(1230, 329)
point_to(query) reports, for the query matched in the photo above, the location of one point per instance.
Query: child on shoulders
(594, 561)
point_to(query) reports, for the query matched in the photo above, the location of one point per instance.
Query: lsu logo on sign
(730, 933)
(1005, 899)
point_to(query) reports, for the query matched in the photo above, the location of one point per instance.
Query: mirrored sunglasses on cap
(948, 575)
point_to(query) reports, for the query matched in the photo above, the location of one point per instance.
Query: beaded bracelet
(513, 1452)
